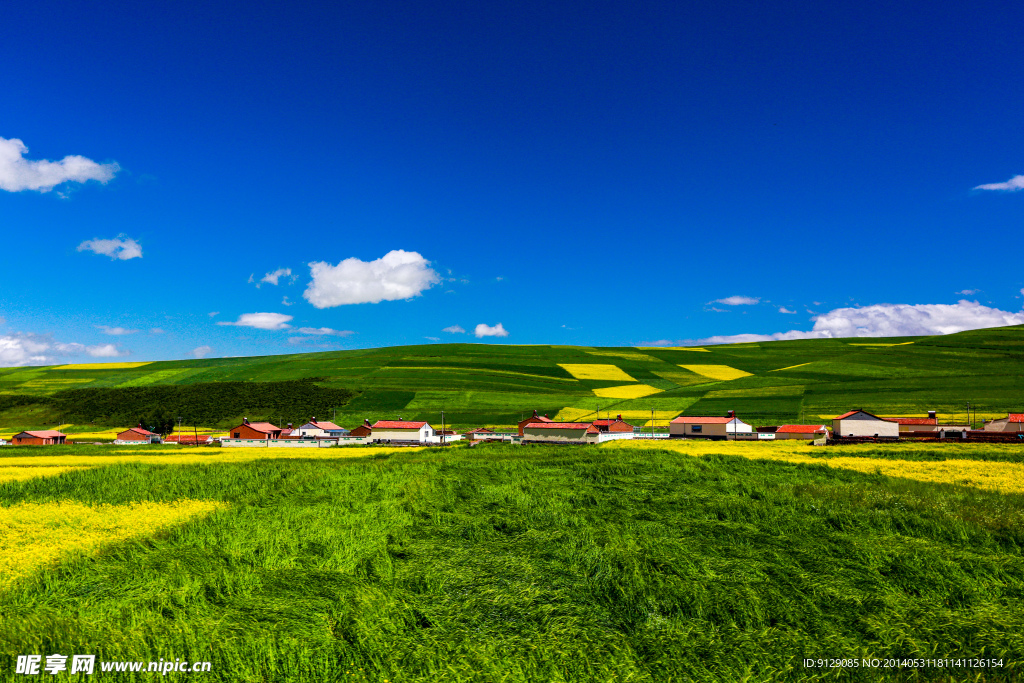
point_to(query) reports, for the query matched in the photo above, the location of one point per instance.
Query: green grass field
(503, 563)
(489, 384)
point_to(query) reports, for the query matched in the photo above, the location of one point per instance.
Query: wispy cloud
(395, 276)
(783, 309)
(261, 321)
(35, 349)
(213, 314)
(434, 339)
(737, 301)
(324, 331)
(106, 351)
(157, 330)
(200, 352)
(483, 330)
(1014, 184)
(18, 173)
(886, 320)
(968, 292)
(116, 331)
(121, 248)
(274, 277)
(454, 329)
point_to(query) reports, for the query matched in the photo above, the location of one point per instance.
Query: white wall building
(402, 430)
(861, 423)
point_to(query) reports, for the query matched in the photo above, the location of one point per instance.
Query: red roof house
(530, 420)
(616, 425)
(138, 435)
(39, 437)
(801, 431)
(255, 430)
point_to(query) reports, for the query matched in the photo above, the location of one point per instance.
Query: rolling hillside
(485, 384)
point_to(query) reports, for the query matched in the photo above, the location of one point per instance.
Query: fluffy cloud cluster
(483, 330)
(121, 248)
(888, 320)
(1014, 184)
(397, 275)
(261, 321)
(33, 349)
(18, 173)
(737, 301)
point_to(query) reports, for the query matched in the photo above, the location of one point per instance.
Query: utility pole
(442, 427)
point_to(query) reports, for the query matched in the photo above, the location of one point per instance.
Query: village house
(255, 430)
(708, 427)
(529, 420)
(918, 424)
(616, 425)
(402, 430)
(560, 432)
(136, 436)
(1013, 422)
(862, 423)
(39, 437)
(321, 429)
(801, 431)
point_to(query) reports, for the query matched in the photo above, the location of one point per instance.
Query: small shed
(39, 437)
(365, 429)
(863, 423)
(801, 431)
(616, 425)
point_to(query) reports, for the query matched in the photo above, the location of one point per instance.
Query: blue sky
(597, 173)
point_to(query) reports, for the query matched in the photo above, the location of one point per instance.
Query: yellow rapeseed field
(100, 366)
(596, 371)
(672, 348)
(33, 535)
(190, 455)
(1004, 477)
(23, 473)
(723, 372)
(627, 391)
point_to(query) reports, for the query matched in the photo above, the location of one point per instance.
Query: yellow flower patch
(596, 371)
(723, 372)
(33, 535)
(191, 455)
(100, 366)
(1004, 477)
(672, 348)
(627, 391)
(23, 473)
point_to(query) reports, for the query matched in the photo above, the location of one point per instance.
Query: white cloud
(36, 349)
(888, 320)
(273, 278)
(1012, 185)
(325, 331)
(285, 302)
(968, 292)
(483, 330)
(121, 248)
(397, 275)
(261, 321)
(783, 309)
(737, 301)
(157, 330)
(116, 331)
(454, 329)
(433, 339)
(200, 352)
(213, 314)
(18, 173)
(106, 351)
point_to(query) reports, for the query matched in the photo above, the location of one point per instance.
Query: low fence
(295, 443)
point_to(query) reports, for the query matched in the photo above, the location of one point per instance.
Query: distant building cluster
(854, 425)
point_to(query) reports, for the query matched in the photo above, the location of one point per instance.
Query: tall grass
(533, 564)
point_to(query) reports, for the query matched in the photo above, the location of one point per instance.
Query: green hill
(487, 384)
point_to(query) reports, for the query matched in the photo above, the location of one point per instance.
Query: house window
(236, 435)
(697, 428)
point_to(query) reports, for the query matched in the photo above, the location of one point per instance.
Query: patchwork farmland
(782, 382)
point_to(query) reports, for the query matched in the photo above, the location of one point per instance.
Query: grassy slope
(534, 564)
(497, 384)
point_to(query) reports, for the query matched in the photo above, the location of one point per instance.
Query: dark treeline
(159, 407)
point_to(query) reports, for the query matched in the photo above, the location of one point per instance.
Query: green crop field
(487, 384)
(503, 563)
